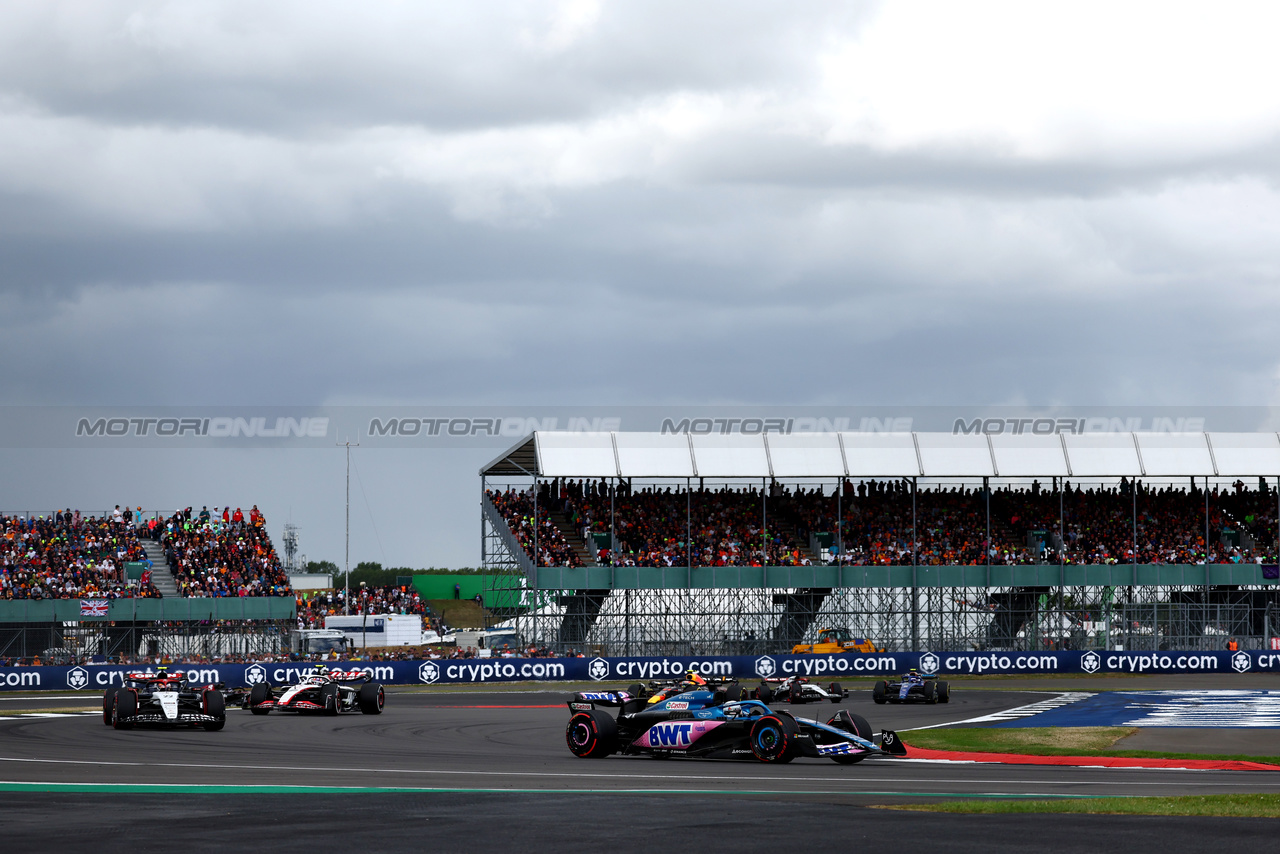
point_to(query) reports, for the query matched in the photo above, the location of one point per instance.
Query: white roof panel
(730, 456)
(576, 455)
(1102, 455)
(1029, 455)
(947, 455)
(880, 454)
(1240, 454)
(1174, 454)
(805, 455)
(654, 455)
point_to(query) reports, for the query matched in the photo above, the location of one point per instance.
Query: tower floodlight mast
(346, 561)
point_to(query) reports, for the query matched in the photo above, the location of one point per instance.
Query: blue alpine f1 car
(716, 724)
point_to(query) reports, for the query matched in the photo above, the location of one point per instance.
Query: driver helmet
(693, 676)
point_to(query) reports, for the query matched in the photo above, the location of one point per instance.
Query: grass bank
(1230, 806)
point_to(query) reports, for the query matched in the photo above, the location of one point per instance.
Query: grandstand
(631, 543)
(145, 576)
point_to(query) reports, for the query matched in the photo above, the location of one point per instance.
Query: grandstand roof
(889, 455)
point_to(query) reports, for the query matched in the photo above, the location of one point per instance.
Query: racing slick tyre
(371, 698)
(124, 707)
(260, 693)
(944, 692)
(215, 706)
(796, 696)
(108, 700)
(930, 690)
(764, 693)
(733, 694)
(636, 690)
(856, 724)
(880, 692)
(773, 738)
(330, 699)
(591, 735)
(837, 693)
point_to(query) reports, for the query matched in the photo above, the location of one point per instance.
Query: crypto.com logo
(77, 678)
(429, 671)
(598, 669)
(1090, 662)
(929, 662)
(765, 667)
(255, 674)
(1240, 662)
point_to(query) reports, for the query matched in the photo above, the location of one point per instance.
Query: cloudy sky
(618, 203)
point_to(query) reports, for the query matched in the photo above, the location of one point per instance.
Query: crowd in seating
(875, 521)
(227, 555)
(67, 555)
(314, 606)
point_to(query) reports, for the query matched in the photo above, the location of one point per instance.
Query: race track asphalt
(478, 769)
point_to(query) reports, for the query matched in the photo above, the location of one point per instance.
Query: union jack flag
(93, 607)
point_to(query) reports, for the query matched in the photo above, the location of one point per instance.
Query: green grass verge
(1232, 806)
(1050, 741)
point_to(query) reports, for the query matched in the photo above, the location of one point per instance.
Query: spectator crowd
(66, 555)
(886, 523)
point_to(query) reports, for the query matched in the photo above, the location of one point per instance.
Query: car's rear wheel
(773, 738)
(796, 697)
(371, 698)
(944, 692)
(330, 698)
(635, 690)
(732, 694)
(124, 709)
(764, 693)
(108, 700)
(880, 692)
(837, 693)
(260, 693)
(592, 734)
(630, 707)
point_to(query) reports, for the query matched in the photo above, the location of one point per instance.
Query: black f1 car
(660, 689)
(163, 699)
(706, 724)
(798, 689)
(323, 691)
(912, 687)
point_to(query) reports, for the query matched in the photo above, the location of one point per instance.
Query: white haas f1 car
(163, 699)
(322, 691)
(798, 689)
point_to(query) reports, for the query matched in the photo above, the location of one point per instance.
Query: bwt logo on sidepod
(930, 663)
(765, 667)
(1090, 662)
(598, 669)
(77, 678)
(429, 671)
(1241, 662)
(255, 674)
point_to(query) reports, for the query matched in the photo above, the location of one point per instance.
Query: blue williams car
(715, 724)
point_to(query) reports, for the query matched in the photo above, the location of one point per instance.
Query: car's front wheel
(773, 738)
(371, 698)
(215, 706)
(837, 693)
(856, 724)
(880, 692)
(330, 698)
(124, 709)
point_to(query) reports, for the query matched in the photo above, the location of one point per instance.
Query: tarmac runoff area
(489, 765)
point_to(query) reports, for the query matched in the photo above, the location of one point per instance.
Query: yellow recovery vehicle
(834, 641)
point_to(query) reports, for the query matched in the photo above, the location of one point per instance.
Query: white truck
(377, 630)
(488, 642)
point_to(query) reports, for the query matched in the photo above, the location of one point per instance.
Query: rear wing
(586, 700)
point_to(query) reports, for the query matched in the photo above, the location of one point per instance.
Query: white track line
(1027, 711)
(737, 778)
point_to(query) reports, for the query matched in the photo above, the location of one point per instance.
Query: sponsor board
(96, 677)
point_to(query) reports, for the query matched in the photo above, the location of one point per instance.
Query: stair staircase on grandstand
(574, 538)
(161, 577)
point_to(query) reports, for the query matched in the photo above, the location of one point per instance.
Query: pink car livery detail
(675, 735)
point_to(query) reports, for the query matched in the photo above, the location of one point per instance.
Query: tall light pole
(346, 569)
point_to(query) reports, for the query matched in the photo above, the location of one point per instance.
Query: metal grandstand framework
(618, 610)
